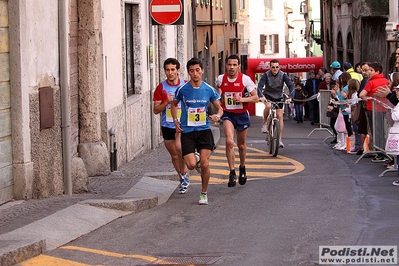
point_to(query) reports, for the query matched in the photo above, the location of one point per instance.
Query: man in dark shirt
(311, 89)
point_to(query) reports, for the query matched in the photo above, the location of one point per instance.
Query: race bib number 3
(196, 117)
(230, 103)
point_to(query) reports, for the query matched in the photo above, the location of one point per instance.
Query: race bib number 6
(196, 116)
(229, 101)
(169, 117)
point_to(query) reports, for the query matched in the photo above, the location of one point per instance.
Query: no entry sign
(167, 12)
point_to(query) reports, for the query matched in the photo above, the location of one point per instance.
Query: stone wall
(116, 119)
(6, 181)
(46, 149)
(138, 125)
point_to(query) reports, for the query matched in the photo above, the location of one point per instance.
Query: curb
(61, 227)
(79, 219)
(16, 251)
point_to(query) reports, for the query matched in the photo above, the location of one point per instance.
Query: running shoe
(182, 190)
(379, 159)
(340, 147)
(232, 179)
(337, 145)
(395, 183)
(203, 200)
(184, 180)
(281, 144)
(198, 165)
(242, 179)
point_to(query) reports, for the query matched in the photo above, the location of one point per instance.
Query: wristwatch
(217, 116)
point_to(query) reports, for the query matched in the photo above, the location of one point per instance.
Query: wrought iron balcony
(315, 31)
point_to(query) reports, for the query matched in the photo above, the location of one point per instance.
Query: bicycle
(273, 129)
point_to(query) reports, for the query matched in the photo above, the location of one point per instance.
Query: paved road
(310, 195)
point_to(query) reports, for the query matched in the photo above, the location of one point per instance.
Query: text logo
(376, 255)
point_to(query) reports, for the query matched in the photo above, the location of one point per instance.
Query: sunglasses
(274, 67)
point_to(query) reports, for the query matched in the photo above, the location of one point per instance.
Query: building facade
(76, 84)
(355, 31)
(217, 35)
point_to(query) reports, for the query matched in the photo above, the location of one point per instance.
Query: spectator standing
(310, 89)
(390, 93)
(353, 87)
(345, 110)
(333, 108)
(349, 69)
(322, 72)
(393, 67)
(326, 83)
(358, 68)
(394, 130)
(375, 81)
(363, 128)
(335, 70)
(299, 96)
(342, 82)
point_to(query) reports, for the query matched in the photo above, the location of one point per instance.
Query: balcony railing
(315, 32)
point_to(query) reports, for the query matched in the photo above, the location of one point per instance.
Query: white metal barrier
(324, 122)
(379, 126)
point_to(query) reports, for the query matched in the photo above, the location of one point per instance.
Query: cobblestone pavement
(14, 215)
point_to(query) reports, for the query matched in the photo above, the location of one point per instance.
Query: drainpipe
(194, 29)
(150, 54)
(63, 30)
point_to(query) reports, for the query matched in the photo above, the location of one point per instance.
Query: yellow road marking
(259, 164)
(110, 254)
(48, 260)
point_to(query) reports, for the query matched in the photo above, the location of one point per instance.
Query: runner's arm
(173, 110)
(160, 99)
(216, 117)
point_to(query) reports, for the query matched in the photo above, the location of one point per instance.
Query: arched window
(349, 49)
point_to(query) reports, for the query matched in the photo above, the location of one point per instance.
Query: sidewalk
(29, 228)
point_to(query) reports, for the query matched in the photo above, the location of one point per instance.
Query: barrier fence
(382, 121)
(379, 126)
(381, 117)
(323, 97)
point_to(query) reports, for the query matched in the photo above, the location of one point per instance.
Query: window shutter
(262, 44)
(276, 46)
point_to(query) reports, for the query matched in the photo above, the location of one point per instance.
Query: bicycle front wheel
(275, 138)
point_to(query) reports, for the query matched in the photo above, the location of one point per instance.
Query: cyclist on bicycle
(270, 88)
(237, 90)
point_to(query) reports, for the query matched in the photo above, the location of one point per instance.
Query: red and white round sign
(166, 12)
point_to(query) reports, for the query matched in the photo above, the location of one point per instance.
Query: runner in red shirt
(236, 90)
